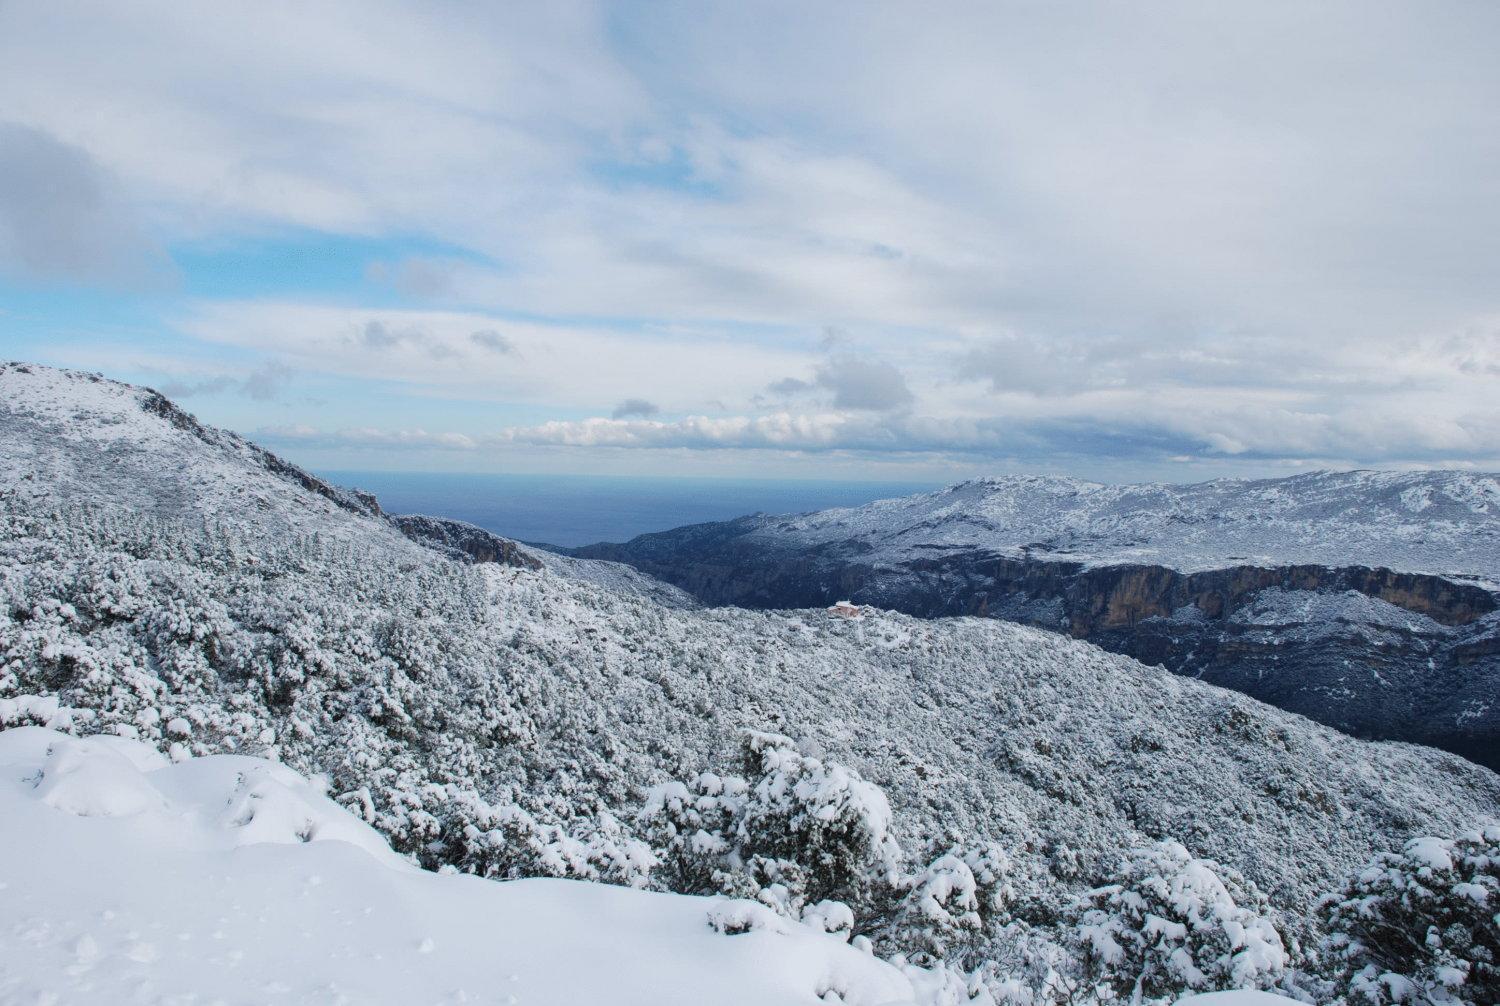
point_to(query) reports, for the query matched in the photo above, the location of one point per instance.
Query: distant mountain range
(1366, 600)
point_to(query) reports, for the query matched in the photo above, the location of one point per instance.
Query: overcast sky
(1124, 241)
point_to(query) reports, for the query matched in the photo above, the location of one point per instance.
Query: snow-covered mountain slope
(146, 454)
(229, 879)
(450, 703)
(1366, 600)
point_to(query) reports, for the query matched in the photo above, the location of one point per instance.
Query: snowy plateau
(267, 744)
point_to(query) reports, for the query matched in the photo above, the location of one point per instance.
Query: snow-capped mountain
(1367, 600)
(1443, 522)
(176, 586)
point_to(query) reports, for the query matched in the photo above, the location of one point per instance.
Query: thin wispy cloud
(263, 384)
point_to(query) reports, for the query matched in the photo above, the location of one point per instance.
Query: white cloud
(1258, 229)
(1150, 438)
(861, 383)
(562, 366)
(367, 437)
(637, 407)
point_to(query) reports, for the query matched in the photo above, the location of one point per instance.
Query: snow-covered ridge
(148, 454)
(1444, 522)
(141, 444)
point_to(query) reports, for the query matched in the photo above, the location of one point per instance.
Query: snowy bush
(733, 916)
(823, 817)
(1172, 923)
(509, 843)
(451, 827)
(830, 917)
(1421, 925)
(948, 905)
(797, 832)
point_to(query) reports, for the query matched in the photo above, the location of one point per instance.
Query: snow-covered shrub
(693, 828)
(1172, 923)
(947, 906)
(1029, 967)
(508, 843)
(733, 916)
(822, 816)
(830, 917)
(1421, 925)
(40, 711)
(797, 832)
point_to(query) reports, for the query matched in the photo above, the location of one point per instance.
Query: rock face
(463, 541)
(1407, 649)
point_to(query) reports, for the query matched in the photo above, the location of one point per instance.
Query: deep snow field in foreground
(233, 879)
(229, 879)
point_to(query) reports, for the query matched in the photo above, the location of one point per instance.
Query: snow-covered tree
(1171, 923)
(1421, 925)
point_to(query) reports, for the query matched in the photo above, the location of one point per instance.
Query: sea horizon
(574, 510)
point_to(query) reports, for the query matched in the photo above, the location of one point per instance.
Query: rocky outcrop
(1376, 652)
(462, 541)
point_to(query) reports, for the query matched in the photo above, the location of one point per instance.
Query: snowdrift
(127, 878)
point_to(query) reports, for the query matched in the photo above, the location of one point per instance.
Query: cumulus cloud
(864, 432)
(361, 437)
(63, 218)
(635, 407)
(857, 381)
(1160, 437)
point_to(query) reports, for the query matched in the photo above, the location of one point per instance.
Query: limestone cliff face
(1115, 597)
(1375, 652)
